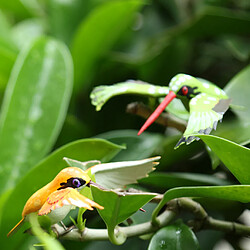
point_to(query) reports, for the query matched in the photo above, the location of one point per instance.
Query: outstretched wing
(118, 174)
(101, 94)
(65, 197)
(205, 112)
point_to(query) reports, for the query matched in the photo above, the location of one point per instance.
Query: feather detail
(66, 197)
(205, 112)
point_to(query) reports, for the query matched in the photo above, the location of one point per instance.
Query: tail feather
(16, 227)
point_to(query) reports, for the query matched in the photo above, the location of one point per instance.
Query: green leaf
(83, 165)
(48, 242)
(15, 6)
(235, 157)
(165, 181)
(238, 90)
(91, 41)
(177, 236)
(118, 207)
(44, 172)
(33, 114)
(236, 193)
(137, 147)
(65, 16)
(26, 31)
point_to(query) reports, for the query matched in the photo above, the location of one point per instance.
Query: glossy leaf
(239, 193)
(177, 236)
(118, 207)
(44, 172)
(65, 16)
(238, 90)
(8, 54)
(91, 41)
(137, 147)
(235, 157)
(26, 31)
(29, 123)
(165, 181)
(15, 6)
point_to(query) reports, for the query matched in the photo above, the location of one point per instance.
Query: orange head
(71, 177)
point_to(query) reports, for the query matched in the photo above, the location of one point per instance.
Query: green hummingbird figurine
(206, 103)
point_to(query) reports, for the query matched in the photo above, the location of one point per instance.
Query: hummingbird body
(57, 197)
(205, 101)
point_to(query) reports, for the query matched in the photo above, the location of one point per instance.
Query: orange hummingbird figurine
(58, 197)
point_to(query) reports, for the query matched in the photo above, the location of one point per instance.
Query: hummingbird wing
(101, 94)
(65, 197)
(205, 112)
(119, 174)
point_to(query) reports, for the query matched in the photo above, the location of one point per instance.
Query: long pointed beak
(91, 183)
(171, 95)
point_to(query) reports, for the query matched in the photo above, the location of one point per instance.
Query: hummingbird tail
(15, 228)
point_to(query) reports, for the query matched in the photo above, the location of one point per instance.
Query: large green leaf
(235, 157)
(15, 6)
(236, 193)
(34, 107)
(26, 31)
(165, 181)
(138, 147)
(8, 54)
(118, 207)
(177, 236)
(65, 16)
(45, 171)
(238, 90)
(98, 33)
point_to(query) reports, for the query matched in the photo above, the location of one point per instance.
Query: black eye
(184, 90)
(76, 183)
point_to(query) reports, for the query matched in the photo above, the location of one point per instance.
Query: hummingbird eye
(77, 182)
(184, 90)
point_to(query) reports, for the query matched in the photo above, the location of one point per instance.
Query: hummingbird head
(184, 87)
(72, 177)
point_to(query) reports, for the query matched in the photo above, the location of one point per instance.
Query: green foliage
(44, 172)
(116, 209)
(44, 43)
(176, 236)
(47, 65)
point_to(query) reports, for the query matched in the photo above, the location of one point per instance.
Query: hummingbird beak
(171, 95)
(91, 183)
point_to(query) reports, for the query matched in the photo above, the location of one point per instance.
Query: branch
(174, 207)
(165, 119)
(102, 234)
(203, 221)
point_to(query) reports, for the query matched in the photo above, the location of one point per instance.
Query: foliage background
(104, 42)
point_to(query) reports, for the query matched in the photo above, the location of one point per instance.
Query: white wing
(118, 174)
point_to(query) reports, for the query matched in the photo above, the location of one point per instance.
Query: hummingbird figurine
(205, 102)
(59, 196)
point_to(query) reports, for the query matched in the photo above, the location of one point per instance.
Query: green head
(187, 86)
(184, 87)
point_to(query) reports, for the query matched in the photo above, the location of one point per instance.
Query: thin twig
(174, 207)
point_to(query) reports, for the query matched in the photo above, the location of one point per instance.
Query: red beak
(171, 95)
